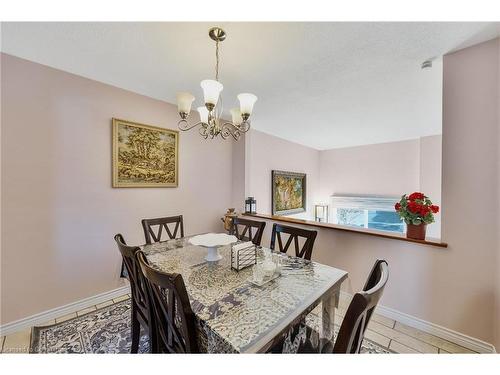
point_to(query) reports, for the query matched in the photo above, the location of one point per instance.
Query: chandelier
(211, 123)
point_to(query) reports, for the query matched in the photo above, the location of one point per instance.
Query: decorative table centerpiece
(267, 270)
(212, 241)
(417, 211)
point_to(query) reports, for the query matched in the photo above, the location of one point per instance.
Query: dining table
(234, 315)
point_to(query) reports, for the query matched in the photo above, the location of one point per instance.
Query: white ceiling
(324, 85)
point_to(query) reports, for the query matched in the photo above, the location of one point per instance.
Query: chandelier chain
(217, 60)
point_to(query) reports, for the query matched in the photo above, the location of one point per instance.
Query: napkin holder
(243, 255)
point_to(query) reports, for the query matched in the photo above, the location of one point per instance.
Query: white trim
(48, 315)
(433, 329)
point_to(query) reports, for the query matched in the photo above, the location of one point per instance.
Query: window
(367, 212)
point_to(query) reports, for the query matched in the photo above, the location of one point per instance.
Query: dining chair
(360, 310)
(140, 314)
(243, 229)
(175, 329)
(294, 235)
(358, 314)
(153, 234)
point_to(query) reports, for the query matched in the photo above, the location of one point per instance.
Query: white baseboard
(433, 329)
(49, 315)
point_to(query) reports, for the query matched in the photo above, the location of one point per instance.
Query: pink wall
(471, 188)
(421, 276)
(59, 212)
(389, 169)
(238, 175)
(265, 153)
(383, 169)
(430, 169)
(416, 286)
(455, 287)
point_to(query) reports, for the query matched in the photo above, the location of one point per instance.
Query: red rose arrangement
(416, 209)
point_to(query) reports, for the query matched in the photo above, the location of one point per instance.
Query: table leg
(328, 305)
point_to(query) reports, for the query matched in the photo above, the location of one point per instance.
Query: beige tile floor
(386, 332)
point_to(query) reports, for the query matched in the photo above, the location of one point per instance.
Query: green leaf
(429, 218)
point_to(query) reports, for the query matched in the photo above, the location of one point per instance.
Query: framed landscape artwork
(144, 155)
(288, 192)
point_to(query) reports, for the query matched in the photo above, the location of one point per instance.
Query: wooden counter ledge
(369, 232)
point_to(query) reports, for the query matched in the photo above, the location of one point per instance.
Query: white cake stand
(212, 241)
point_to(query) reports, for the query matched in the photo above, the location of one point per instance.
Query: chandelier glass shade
(211, 123)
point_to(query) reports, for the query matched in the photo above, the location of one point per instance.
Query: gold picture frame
(144, 161)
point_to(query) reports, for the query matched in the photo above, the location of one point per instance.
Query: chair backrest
(175, 329)
(294, 234)
(248, 230)
(135, 276)
(153, 235)
(360, 310)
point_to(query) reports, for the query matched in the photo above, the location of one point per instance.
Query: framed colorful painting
(288, 192)
(144, 155)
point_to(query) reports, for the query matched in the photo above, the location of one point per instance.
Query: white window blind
(371, 212)
(365, 202)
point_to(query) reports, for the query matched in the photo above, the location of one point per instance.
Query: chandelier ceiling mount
(217, 34)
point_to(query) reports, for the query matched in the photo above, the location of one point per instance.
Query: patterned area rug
(107, 330)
